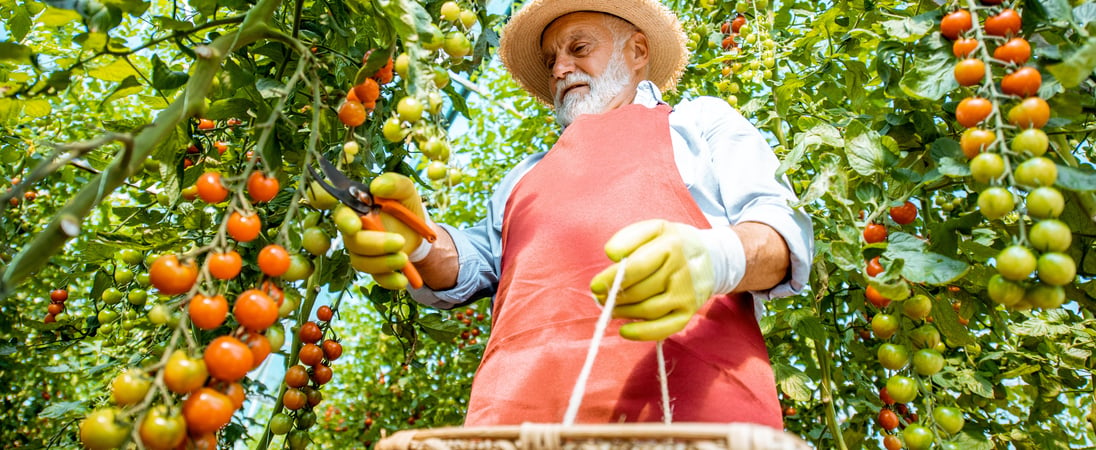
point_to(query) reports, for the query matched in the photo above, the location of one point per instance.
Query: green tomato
(143, 279)
(297, 440)
(917, 307)
(1045, 203)
(130, 256)
(467, 18)
(893, 356)
(281, 423)
(457, 45)
(995, 202)
(450, 11)
(306, 419)
(1003, 291)
(162, 430)
(402, 65)
(316, 241)
(409, 109)
(123, 276)
(300, 267)
(436, 170)
(1038, 171)
(948, 418)
(102, 430)
(925, 336)
(393, 130)
(1045, 296)
(1050, 235)
(918, 437)
(927, 362)
(884, 325)
(137, 296)
(1056, 269)
(902, 389)
(433, 38)
(987, 167)
(275, 335)
(1015, 262)
(112, 295)
(130, 387)
(158, 315)
(1032, 141)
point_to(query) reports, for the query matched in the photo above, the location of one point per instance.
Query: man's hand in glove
(672, 270)
(382, 253)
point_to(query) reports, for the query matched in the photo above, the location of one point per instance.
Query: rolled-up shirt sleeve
(735, 181)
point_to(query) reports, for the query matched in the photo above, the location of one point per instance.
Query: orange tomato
(206, 312)
(963, 47)
(262, 188)
(970, 72)
(207, 410)
(243, 228)
(972, 111)
(352, 113)
(367, 91)
(225, 265)
(171, 276)
(210, 188)
(255, 310)
(228, 359)
(1024, 82)
(273, 260)
(956, 23)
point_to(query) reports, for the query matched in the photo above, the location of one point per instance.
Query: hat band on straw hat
(520, 45)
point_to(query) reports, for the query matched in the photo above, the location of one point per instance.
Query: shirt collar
(647, 94)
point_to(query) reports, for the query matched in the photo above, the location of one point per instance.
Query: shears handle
(372, 222)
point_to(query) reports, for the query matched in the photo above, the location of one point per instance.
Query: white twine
(591, 354)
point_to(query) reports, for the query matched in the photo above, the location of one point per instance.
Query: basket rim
(649, 430)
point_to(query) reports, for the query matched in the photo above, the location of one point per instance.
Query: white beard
(602, 89)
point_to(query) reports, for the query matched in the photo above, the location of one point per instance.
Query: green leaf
(168, 23)
(227, 108)
(439, 329)
(37, 107)
(132, 7)
(116, 71)
(793, 382)
(165, 79)
(921, 265)
(946, 320)
(931, 77)
(1077, 67)
(1049, 10)
(19, 24)
(953, 168)
(130, 86)
(1077, 178)
(1085, 14)
(910, 29)
(11, 51)
(56, 17)
(57, 410)
(865, 150)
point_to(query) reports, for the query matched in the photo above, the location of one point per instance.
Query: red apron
(605, 172)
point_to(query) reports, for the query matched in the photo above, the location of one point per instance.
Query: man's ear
(638, 51)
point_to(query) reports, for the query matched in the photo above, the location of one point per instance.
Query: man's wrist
(424, 247)
(728, 257)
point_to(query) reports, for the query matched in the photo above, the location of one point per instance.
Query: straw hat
(520, 45)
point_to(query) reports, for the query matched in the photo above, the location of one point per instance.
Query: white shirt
(727, 166)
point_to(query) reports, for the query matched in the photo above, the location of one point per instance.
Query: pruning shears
(356, 196)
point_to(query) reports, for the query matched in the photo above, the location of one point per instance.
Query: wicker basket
(735, 436)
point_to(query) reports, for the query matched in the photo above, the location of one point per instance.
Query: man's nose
(562, 66)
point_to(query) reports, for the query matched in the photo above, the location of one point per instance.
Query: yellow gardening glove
(382, 253)
(669, 274)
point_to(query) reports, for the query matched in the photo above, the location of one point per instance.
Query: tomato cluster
(471, 332)
(1032, 271)
(301, 391)
(56, 306)
(749, 38)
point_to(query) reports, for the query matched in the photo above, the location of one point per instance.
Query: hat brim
(520, 51)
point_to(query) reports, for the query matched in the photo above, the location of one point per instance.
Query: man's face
(588, 72)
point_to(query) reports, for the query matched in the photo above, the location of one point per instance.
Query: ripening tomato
(207, 410)
(972, 111)
(904, 214)
(1050, 235)
(58, 295)
(235, 392)
(902, 389)
(1032, 141)
(970, 71)
(956, 23)
(183, 374)
(207, 312)
(893, 356)
(262, 188)
(874, 267)
(210, 188)
(737, 23)
(1005, 23)
(963, 47)
(259, 346)
(296, 376)
(243, 228)
(206, 124)
(332, 349)
(987, 167)
(352, 113)
(325, 313)
(995, 201)
(876, 298)
(1016, 51)
(1031, 112)
(228, 359)
(368, 90)
(1045, 203)
(874, 232)
(321, 374)
(224, 265)
(160, 430)
(1015, 262)
(129, 387)
(1024, 82)
(103, 429)
(255, 310)
(976, 140)
(294, 399)
(891, 441)
(171, 276)
(884, 325)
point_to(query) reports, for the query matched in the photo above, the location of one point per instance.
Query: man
(687, 194)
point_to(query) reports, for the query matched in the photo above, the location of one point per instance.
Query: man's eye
(549, 63)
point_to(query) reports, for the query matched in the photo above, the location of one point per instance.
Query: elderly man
(688, 194)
